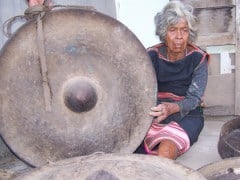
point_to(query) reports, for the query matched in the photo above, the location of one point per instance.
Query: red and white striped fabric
(162, 95)
(171, 131)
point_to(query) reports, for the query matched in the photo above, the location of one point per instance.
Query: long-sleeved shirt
(185, 78)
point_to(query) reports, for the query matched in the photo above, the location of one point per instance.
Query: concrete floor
(202, 153)
(205, 151)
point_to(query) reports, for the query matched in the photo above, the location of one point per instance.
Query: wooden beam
(219, 111)
(209, 4)
(237, 65)
(216, 39)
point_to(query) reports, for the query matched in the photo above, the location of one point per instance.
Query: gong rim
(222, 167)
(114, 166)
(225, 148)
(37, 136)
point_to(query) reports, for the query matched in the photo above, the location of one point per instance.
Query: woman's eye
(172, 29)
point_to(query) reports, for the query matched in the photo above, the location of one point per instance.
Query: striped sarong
(171, 131)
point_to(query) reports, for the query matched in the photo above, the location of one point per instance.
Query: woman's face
(177, 37)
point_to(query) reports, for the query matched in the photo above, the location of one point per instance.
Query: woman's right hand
(163, 110)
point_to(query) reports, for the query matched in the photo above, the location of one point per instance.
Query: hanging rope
(30, 13)
(43, 62)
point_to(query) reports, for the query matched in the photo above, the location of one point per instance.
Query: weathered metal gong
(226, 169)
(228, 143)
(101, 85)
(114, 167)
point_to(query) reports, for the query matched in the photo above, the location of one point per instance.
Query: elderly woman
(182, 71)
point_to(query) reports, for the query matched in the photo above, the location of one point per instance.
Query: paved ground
(205, 151)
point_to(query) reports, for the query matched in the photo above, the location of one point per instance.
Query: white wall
(138, 16)
(8, 9)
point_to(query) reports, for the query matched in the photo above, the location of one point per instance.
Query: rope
(30, 13)
(43, 62)
(34, 11)
(9, 23)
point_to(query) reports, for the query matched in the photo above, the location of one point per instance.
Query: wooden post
(237, 60)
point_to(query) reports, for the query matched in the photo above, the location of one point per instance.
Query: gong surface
(101, 81)
(226, 169)
(228, 143)
(114, 167)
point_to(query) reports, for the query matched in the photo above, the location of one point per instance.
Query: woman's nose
(179, 34)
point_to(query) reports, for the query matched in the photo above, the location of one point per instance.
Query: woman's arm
(196, 89)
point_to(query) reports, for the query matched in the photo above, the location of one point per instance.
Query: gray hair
(171, 14)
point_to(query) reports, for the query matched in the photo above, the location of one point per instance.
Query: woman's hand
(162, 111)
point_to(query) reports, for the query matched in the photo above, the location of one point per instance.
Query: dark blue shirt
(185, 77)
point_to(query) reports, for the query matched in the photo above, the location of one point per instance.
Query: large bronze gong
(113, 167)
(100, 83)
